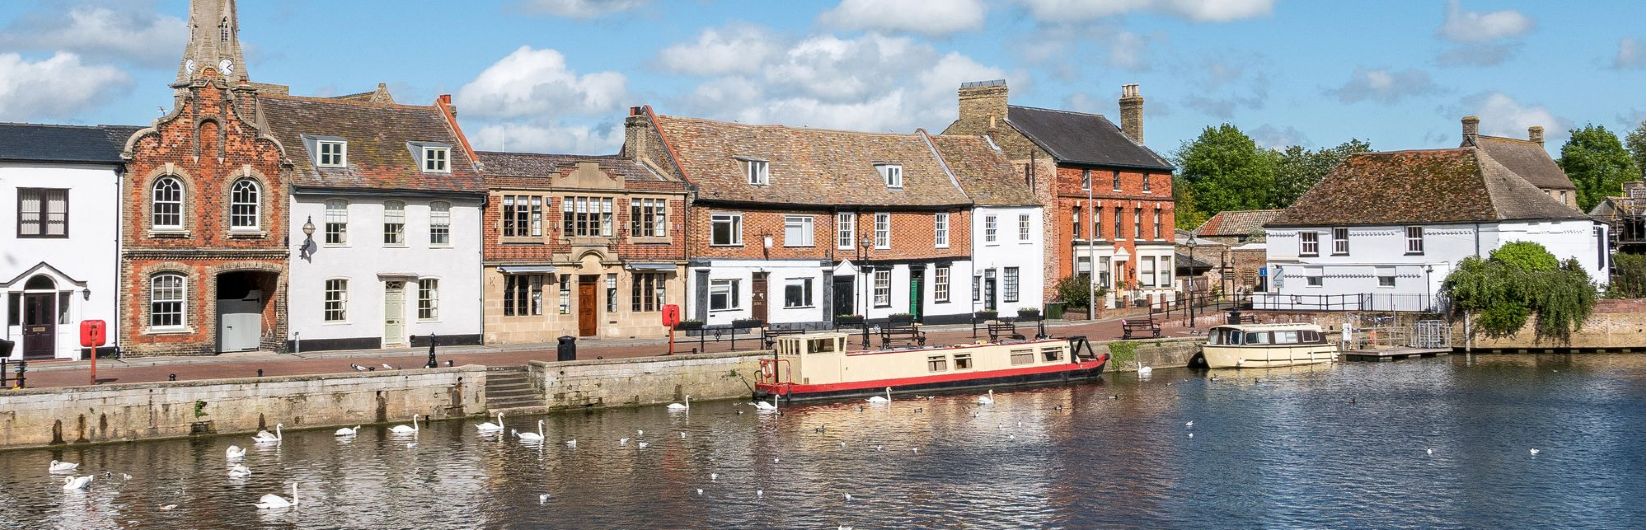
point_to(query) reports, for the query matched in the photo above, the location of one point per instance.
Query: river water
(1433, 443)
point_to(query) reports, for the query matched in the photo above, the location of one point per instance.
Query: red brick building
(1108, 196)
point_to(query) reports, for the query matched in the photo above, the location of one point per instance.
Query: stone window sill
(185, 330)
(168, 233)
(650, 240)
(248, 234)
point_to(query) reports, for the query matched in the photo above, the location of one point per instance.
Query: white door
(240, 323)
(394, 313)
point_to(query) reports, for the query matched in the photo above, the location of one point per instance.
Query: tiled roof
(806, 166)
(63, 143)
(1421, 187)
(1236, 223)
(1081, 138)
(534, 165)
(983, 171)
(378, 136)
(1528, 159)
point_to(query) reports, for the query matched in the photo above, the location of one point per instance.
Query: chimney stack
(636, 129)
(1536, 134)
(1472, 128)
(1132, 113)
(983, 101)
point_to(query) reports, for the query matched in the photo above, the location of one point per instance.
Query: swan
(878, 400)
(275, 502)
(543, 498)
(641, 445)
(1532, 452)
(264, 438)
(1189, 424)
(74, 483)
(678, 406)
(347, 431)
(531, 437)
(62, 467)
(573, 443)
(235, 452)
(1144, 371)
(987, 400)
(762, 405)
(623, 442)
(402, 429)
(489, 427)
(239, 471)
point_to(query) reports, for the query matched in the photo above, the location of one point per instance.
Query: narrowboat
(818, 366)
(1266, 346)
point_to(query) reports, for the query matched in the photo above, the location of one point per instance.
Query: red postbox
(671, 315)
(93, 333)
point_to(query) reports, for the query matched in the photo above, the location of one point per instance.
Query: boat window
(1232, 337)
(1026, 356)
(822, 346)
(963, 361)
(1309, 336)
(1286, 337)
(1258, 337)
(937, 363)
(1052, 353)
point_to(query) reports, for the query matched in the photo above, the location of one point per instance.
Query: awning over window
(527, 269)
(646, 266)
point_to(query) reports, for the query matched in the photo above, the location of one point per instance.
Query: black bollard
(432, 362)
(448, 363)
(260, 372)
(22, 366)
(3, 374)
(173, 377)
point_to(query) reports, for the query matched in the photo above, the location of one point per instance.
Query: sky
(559, 75)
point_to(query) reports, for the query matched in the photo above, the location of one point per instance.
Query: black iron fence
(1389, 302)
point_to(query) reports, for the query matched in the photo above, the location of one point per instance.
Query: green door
(916, 279)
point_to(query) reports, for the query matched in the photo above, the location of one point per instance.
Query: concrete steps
(509, 388)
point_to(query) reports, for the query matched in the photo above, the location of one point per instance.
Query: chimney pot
(1132, 113)
(983, 101)
(1536, 134)
(1472, 129)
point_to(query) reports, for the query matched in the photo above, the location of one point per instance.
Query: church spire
(214, 42)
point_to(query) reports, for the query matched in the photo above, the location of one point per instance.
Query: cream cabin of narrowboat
(1266, 346)
(819, 366)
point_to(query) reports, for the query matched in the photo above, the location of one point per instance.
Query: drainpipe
(119, 271)
(297, 342)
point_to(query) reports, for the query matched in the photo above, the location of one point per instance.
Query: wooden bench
(998, 327)
(912, 331)
(1248, 318)
(1131, 325)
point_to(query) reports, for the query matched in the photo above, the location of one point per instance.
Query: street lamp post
(863, 257)
(1192, 282)
(1429, 289)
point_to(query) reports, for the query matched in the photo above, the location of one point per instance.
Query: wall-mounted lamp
(308, 248)
(767, 241)
(85, 294)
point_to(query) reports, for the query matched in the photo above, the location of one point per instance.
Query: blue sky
(557, 75)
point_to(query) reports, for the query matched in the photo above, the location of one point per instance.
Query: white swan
(235, 452)
(348, 432)
(402, 429)
(74, 483)
(573, 443)
(987, 400)
(62, 467)
(641, 445)
(1144, 371)
(763, 405)
(264, 438)
(275, 502)
(531, 437)
(491, 428)
(239, 471)
(678, 406)
(878, 400)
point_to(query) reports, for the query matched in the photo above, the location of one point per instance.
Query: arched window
(223, 30)
(168, 203)
(40, 282)
(243, 205)
(166, 300)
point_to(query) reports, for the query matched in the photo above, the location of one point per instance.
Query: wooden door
(917, 281)
(843, 297)
(587, 309)
(394, 313)
(39, 325)
(757, 297)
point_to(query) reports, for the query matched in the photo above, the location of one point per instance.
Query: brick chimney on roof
(984, 101)
(1472, 129)
(1536, 134)
(1132, 113)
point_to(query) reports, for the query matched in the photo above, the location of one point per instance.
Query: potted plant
(849, 320)
(901, 319)
(686, 325)
(1029, 313)
(748, 323)
(984, 316)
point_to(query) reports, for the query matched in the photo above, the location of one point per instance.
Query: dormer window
(756, 171)
(437, 159)
(332, 153)
(893, 174)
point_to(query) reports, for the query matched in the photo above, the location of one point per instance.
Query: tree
(1185, 213)
(1597, 163)
(1226, 170)
(1637, 141)
(1298, 169)
(1517, 282)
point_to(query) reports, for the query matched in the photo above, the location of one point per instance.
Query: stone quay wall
(148, 411)
(646, 380)
(1157, 353)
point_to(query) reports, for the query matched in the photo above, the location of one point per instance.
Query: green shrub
(1627, 280)
(1517, 283)
(1123, 354)
(1073, 291)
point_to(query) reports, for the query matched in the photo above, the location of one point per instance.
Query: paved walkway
(42, 374)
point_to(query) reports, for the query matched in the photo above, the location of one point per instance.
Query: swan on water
(235, 452)
(878, 400)
(622, 442)
(1144, 371)
(700, 492)
(679, 406)
(573, 443)
(641, 445)
(543, 498)
(1190, 423)
(987, 400)
(402, 429)
(764, 406)
(239, 471)
(264, 438)
(62, 467)
(683, 435)
(848, 497)
(168, 507)
(489, 427)
(1429, 451)
(1532, 451)
(714, 476)
(348, 431)
(531, 437)
(274, 502)
(74, 483)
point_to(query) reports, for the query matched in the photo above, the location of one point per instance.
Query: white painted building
(59, 235)
(1008, 269)
(1385, 229)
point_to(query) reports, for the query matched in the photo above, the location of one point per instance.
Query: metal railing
(1390, 302)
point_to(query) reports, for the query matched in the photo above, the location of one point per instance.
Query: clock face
(226, 66)
(188, 67)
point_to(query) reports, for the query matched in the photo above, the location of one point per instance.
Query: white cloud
(731, 49)
(54, 88)
(1272, 137)
(536, 83)
(582, 8)
(1480, 26)
(555, 137)
(95, 31)
(1384, 86)
(930, 17)
(1502, 115)
(1629, 55)
(1064, 11)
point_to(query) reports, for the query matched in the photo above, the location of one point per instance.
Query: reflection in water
(1335, 445)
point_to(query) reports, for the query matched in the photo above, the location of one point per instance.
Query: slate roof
(534, 165)
(812, 167)
(33, 142)
(1081, 138)
(1528, 159)
(983, 171)
(379, 156)
(1431, 186)
(1236, 223)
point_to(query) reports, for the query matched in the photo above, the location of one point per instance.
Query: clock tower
(214, 42)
